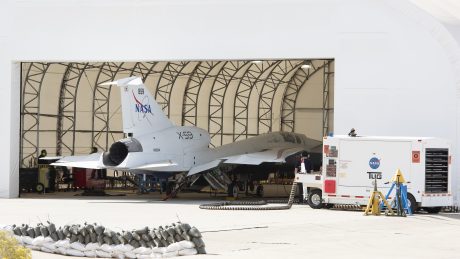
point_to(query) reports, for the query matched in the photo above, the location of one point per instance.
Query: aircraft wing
(93, 161)
(204, 167)
(277, 155)
(155, 165)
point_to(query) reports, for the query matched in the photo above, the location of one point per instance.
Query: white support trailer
(348, 163)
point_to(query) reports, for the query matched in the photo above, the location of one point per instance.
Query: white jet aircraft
(155, 144)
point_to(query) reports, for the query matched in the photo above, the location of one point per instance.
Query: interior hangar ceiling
(65, 110)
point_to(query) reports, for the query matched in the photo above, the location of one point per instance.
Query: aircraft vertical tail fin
(141, 113)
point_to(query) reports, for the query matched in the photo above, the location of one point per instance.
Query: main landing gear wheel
(315, 199)
(39, 188)
(233, 190)
(260, 191)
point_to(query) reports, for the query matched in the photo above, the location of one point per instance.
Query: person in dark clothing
(308, 164)
(352, 133)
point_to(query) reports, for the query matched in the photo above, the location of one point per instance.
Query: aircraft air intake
(119, 151)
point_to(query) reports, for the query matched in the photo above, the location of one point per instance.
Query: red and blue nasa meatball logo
(374, 163)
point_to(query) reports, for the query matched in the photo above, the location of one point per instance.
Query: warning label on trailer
(415, 156)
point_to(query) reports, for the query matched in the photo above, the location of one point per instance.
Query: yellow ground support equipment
(373, 206)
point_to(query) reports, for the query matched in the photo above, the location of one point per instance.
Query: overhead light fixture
(305, 66)
(256, 61)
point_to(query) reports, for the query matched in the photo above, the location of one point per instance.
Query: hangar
(395, 67)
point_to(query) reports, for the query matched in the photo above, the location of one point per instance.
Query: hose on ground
(251, 205)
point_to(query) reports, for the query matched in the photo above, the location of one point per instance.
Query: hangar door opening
(66, 111)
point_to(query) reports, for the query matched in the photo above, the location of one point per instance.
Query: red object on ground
(87, 178)
(79, 177)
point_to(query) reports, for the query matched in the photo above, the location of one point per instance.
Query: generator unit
(350, 163)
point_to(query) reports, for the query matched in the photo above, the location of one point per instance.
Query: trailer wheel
(39, 188)
(432, 210)
(412, 203)
(314, 199)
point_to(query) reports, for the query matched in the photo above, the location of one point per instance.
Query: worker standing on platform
(308, 164)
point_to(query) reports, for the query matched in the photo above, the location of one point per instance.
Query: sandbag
(51, 227)
(99, 230)
(103, 254)
(130, 255)
(171, 254)
(201, 250)
(61, 250)
(32, 247)
(93, 237)
(158, 250)
(46, 250)
(50, 246)
(92, 246)
(60, 234)
(186, 244)
(37, 231)
(31, 232)
(185, 227)
(106, 248)
(77, 246)
(54, 236)
(142, 231)
(142, 251)
(27, 240)
(173, 247)
(178, 238)
(90, 254)
(63, 243)
(38, 241)
(87, 239)
(19, 239)
(123, 248)
(17, 231)
(144, 256)
(198, 242)
(194, 232)
(188, 251)
(74, 252)
(44, 231)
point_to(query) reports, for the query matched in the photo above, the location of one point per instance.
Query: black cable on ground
(251, 205)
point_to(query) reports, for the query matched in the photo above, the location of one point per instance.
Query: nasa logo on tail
(139, 106)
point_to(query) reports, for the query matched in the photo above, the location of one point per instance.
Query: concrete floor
(300, 232)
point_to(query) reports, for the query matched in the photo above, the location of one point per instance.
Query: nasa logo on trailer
(374, 163)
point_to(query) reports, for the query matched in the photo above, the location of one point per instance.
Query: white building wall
(393, 75)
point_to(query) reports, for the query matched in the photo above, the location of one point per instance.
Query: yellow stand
(373, 206)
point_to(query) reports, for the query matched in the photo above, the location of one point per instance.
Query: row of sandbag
(94, 233)
(64, 247)
(86, 234)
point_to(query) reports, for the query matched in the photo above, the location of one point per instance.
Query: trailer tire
(412, 203)
(315, 199)
(432, 210)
